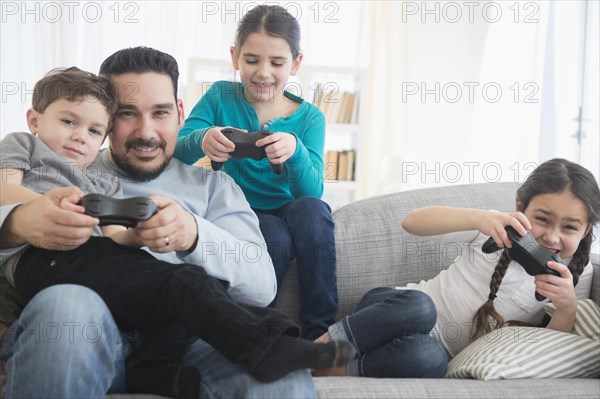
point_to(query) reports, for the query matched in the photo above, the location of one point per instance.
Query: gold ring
(167, 241)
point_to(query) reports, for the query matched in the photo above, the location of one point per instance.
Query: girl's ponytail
(487, 310)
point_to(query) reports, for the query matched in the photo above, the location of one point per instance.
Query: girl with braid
(559, 204)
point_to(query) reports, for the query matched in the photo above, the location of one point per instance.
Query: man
(65, 343)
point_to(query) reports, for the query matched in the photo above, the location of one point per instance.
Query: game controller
(245, 147)
(526, 252)
(125, 212)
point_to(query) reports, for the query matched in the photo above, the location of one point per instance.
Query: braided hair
(553, 176)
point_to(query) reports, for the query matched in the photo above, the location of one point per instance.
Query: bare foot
(323, 338)
(331, 372)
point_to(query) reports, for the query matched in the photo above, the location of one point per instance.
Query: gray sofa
(373, 250)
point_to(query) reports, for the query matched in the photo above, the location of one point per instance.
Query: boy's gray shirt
(44, 170)
(230, 245)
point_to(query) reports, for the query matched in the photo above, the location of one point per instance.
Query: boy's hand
(280, 146)
(171, 229)
(216, 146)
(494, 225)
(44, 222)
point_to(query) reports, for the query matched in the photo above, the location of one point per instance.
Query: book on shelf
(337, 106)
(339, 165)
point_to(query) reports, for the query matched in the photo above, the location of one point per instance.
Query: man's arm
(220, 231)
(43, 223)
(231, 247)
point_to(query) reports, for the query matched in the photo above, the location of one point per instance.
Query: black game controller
(245, 147)
(125, 212)
(526, 252)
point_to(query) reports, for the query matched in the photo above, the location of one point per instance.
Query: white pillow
(532, 352)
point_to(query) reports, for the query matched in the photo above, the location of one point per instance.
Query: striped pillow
(532, 352)
(587, 321)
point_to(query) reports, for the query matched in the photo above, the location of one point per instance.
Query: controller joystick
(245, 147)
(126, 211)
(526, 252)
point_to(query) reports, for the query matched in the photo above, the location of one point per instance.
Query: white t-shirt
(459, 291)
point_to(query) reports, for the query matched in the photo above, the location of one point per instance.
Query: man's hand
(171, 229)
(52, 221)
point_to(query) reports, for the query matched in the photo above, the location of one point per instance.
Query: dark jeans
(304, 230)
(390, 330)
(146, 294)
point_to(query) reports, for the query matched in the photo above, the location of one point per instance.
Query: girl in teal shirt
(295, 222)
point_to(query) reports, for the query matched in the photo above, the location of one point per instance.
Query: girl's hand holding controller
(494, 224)
(558, 289)
(280, 146)
(216, 146)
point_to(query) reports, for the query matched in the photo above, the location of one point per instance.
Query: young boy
(69, 120)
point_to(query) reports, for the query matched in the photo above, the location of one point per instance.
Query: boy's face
(73, 130)
(146, 124)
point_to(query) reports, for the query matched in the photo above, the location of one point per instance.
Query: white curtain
(456, 93)
(39, 36)
(573, 81)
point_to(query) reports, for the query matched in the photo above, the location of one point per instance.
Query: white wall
(417, 140)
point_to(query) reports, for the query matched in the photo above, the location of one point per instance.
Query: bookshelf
(339, 92)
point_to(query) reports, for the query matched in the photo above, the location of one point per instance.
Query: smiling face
(265, 63)
(146, 124)
(559, 221)
(73, 130)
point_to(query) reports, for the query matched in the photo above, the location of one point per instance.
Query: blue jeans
(66, 344)
(304, 230)
(390, 330)
(144, 293)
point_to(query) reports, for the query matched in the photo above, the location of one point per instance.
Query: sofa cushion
(531, 352)
(587, 321)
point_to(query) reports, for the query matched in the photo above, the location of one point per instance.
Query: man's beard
(134, 171)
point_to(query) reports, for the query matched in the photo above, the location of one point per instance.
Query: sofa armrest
(595, 294)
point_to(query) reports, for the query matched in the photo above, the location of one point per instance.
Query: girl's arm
(435, 220)
(561, 292)
(302, 153)
(191, 136)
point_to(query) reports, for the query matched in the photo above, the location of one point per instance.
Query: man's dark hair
(139, 60)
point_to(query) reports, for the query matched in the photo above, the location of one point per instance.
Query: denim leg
(65, 344)
(145, 293)
(279, 245)
(412, 356)
(390, 329)
(311, 225)
(223, 379)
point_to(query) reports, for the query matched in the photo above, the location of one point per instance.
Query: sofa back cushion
(373, 249)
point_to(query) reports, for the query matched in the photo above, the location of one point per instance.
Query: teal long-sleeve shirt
(223, 105)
